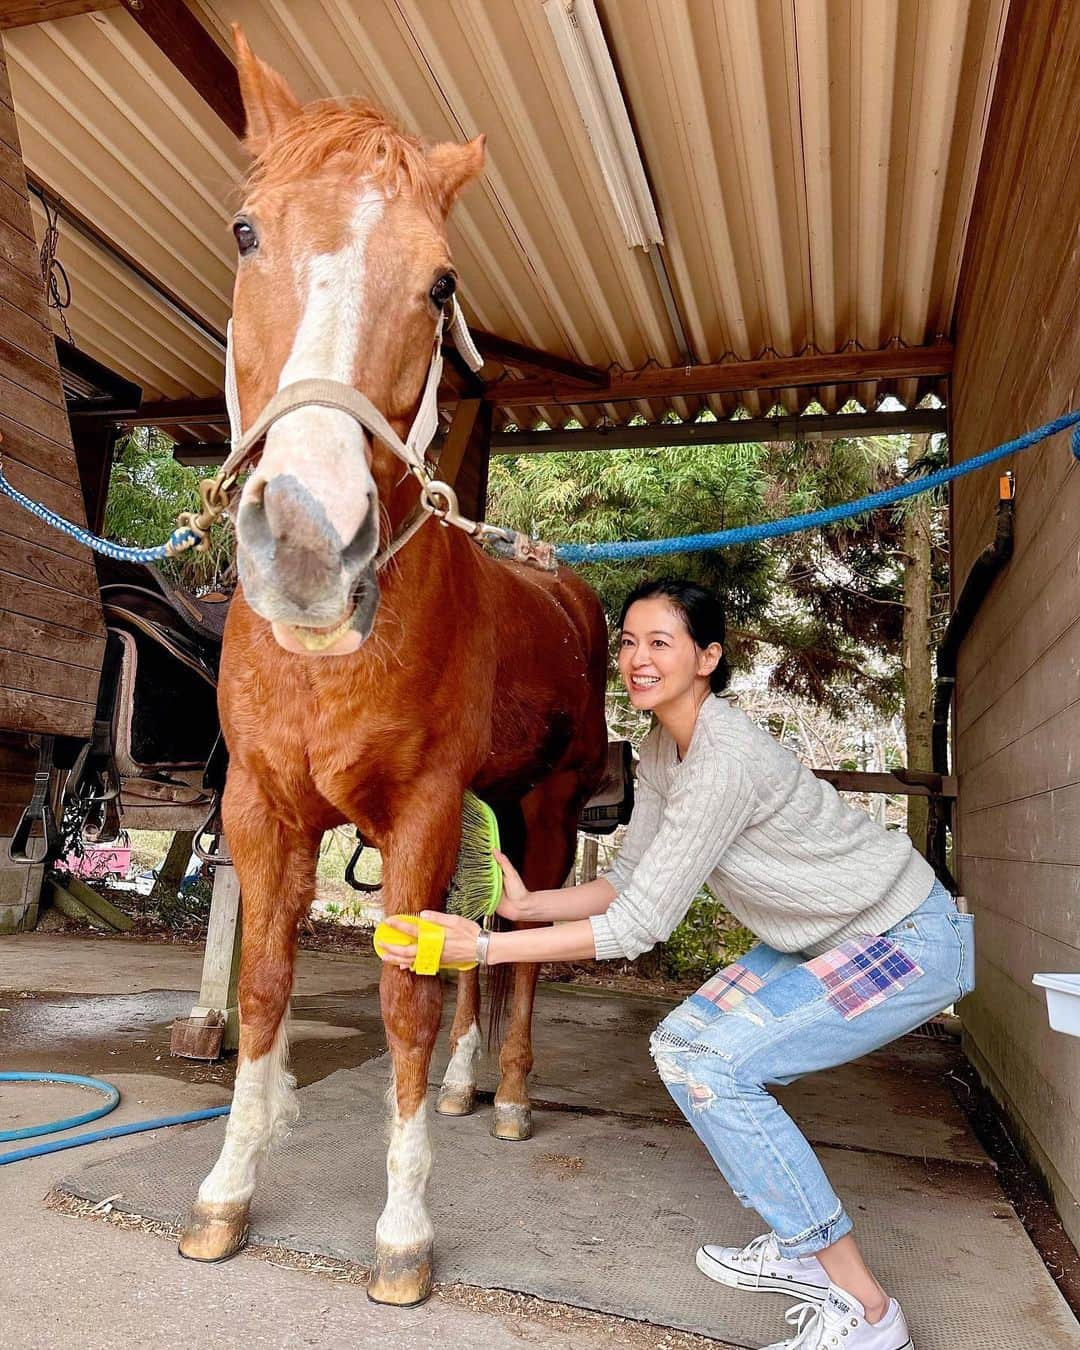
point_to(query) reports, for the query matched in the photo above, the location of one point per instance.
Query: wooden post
(466, 454)
(221, 957)
(590, 852)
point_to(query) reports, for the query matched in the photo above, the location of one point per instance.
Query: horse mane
(380, 151)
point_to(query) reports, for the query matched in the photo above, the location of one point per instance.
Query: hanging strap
(38, 810)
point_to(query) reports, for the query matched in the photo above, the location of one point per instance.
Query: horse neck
(425, 578)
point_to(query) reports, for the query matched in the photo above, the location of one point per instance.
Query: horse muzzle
(319, 594)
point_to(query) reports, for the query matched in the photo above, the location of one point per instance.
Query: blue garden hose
(76, 1141)
(112, 1099)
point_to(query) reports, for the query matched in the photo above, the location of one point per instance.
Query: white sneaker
(841, 1321)
(760, 1266)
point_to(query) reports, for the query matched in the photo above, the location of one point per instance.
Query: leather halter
(436, 497)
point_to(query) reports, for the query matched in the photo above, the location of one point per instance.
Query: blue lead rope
(179, 541)
(184, 537)
(776, 529)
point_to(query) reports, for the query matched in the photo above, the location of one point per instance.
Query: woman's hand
(458, 945)
(515, 898)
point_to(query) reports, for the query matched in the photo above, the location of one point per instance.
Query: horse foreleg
(411, 1008)
(418, 861)
(276, 868)
(457, 1096)
(512, 1118)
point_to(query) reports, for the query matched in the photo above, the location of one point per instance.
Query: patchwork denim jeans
(775, 1016)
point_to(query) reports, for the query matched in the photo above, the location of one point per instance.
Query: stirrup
(212, 826)
(368, 887)
(40, 809)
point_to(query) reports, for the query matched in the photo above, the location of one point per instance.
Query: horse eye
(246, 238)
(443, 289)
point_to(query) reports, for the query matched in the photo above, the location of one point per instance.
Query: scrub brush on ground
(477, 884)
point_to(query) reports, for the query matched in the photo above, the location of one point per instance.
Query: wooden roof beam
(175, 412)
(22, 13)
(535, 361)
(729, 377)
(195, 54)
(733, 431)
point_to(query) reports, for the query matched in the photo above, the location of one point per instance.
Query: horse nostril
(365, 542)
(254, 489)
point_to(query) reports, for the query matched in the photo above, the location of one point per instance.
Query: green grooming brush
(477, 884)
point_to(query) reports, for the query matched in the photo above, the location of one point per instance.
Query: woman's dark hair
(699, 609)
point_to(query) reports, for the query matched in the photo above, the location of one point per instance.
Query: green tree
(827, 600)
(147, 491)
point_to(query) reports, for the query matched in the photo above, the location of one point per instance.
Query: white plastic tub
(1062, 1001)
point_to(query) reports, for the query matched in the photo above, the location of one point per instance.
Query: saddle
(155, 755)
(612, 804)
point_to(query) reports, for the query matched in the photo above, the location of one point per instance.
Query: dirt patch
(561, 1166)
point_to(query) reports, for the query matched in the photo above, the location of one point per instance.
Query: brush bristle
(476, 886)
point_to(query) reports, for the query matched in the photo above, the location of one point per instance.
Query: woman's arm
(563, 942)
(570, 902)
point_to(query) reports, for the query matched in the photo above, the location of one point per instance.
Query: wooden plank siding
(51, 630)
(1017, 715)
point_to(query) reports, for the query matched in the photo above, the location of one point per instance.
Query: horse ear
(455, 166)
(269, 103)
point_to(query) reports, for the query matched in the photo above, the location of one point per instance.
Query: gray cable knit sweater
(793, 862)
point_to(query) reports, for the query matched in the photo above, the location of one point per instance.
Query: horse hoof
(455, 1100)
(512, 1121)
(214, 1232)
(402, 1275)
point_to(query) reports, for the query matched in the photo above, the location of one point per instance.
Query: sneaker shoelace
(811, 1324)
(759, 1249)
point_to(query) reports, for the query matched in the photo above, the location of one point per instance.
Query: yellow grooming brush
(475, 891)
(477, 884)
(429, 941)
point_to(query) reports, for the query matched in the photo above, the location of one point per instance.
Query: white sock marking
(264, 1106)
(461, 1071)
(404, 1223)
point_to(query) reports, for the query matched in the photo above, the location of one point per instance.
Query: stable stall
(701, 221)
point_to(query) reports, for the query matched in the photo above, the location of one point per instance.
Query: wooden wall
(51, 630)
(1018, 702)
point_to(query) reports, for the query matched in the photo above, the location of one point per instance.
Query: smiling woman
(857, 945)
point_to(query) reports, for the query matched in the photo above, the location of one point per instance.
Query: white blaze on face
(404, 1223)
(263, 1107)
(321, 447)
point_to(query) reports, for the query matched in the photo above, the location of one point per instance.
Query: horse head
(343, 275)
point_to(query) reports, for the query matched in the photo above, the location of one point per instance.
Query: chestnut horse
(350, 694)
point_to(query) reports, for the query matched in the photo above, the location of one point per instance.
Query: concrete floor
(102, 1006)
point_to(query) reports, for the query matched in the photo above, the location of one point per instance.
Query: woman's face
(659, 661)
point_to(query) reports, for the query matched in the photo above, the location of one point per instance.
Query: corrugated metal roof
(813, 164)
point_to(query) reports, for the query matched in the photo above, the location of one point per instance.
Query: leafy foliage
(147, 491)
(707, 938)
(830, 601)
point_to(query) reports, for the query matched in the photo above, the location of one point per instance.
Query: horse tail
(500, 980)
